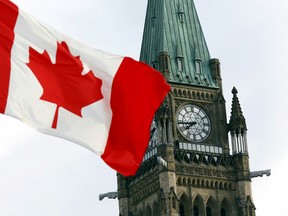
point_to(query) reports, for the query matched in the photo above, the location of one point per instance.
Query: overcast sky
(42, 175)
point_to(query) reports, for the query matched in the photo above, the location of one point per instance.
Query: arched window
(208, 211)
(181, 209)
(225, 209)
(223, 212)
(196, 210)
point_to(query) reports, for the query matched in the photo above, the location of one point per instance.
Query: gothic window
(225, 209)
(223, 212)
(181, 210)
(208, 211)
(196, 210)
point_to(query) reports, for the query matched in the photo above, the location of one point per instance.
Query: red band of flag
(133, 104)
(8, 17)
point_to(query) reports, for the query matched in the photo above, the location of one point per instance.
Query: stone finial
(237, 121)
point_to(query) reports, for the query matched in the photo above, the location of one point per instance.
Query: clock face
(193, 123)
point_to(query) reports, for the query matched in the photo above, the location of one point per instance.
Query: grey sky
(47, 176)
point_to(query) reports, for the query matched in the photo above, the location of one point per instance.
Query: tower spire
(173, 28)
(237, 126)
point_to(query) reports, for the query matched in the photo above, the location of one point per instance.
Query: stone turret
(237, 126)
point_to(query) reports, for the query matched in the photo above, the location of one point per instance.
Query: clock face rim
(199, 128)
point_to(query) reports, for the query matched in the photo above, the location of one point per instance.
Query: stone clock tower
(190, 167)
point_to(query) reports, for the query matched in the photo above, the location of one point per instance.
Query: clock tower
(190, 167)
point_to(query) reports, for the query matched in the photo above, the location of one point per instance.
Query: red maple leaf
(62, 82)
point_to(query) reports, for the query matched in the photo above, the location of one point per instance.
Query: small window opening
(180, 64)
(181, 17)
(196, 210)
(181, 209)
(223, 212)
(208, 211)
(198, 66)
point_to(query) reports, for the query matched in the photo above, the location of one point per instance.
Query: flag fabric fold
(64, 88)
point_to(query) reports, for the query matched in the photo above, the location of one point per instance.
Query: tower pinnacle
(237, 126)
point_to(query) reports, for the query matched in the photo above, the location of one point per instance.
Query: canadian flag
(64, 88)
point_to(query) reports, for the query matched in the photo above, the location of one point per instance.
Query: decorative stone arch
(184, 93)
(189, 94)
(211, 96)
(198, 183)
(203, 183)
(207, 184)
(211, 207)
(184, 181)
(189, 181)
(193, 94)
(198, 207)
(202, 95)
(175, 92)
(212, 184)
(179, 181)
(226, 186)
(194, 183)
(216, 184)
(230, 186)
(221, 186)
(225, 208)
(184, 205)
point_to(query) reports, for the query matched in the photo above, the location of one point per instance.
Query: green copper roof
(173, 41)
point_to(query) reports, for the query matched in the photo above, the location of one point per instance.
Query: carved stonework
(173, 198)
(145, 192)
(195, 173)
(164, 112)
(205, 171)
(204, 158)
(139, 184)
(260, 173)
(193, 94)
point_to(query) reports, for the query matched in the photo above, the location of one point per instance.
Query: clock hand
(184, 123)
(191, 124)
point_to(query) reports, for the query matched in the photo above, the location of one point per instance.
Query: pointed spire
(176, 33)
(237, 120)
(237, 126)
